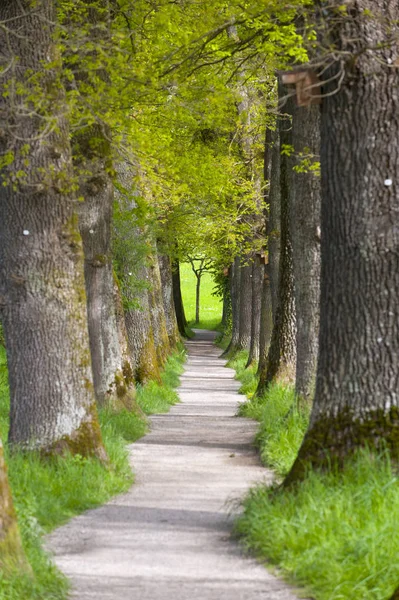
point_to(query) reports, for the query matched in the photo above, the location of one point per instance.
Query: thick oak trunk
(235, 275)
(244, 330)
(305, 228)
(266, 323)
(257, 285)
(165, 267)
(281, 362)
(273, 226)
(356, 401)
(157, 312)
(41, 259)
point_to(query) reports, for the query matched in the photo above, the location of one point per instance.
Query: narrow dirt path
(168, 538)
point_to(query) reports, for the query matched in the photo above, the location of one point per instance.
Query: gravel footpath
(169, 537)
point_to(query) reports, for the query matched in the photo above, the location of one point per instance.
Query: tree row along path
(169, 537)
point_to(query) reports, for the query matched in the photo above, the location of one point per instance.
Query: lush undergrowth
(336, 533)
(47, 494)
(210, 306)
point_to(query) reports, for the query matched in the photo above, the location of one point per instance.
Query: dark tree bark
(356, 401)
(244, 331)
(257, 285)
(305, 228)
(41, 259)
(273, 226)
(281, 362)
(178, 298)
(266, 312)
(165, 267)
(266, 323)
(235, 276)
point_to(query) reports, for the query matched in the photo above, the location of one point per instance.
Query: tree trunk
(95, 215)
(178, 299)
(41, 260)
(165, 267)
(12, 556)
(356, 401)
(197, 297)
(266, 323)
(244, 332)
(157, 312)
(305, 228)
(257, 284)
(235, 274)
(266, 312)
(281, 361)
(273, 226)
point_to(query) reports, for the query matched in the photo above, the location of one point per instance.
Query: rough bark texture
(266, 323)
(356, 400)
(273, 228)
(178, 299)
(165, 267)
(244, 331)
(257, 285)
(41, 260)
(12, 556)
(305, 228)
(157, 312)
(266, 312)
(140, 331)
(125, 396)
(235, 275)
(281, 362)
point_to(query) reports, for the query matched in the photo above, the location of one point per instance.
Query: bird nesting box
(307, 86)
(263, 257)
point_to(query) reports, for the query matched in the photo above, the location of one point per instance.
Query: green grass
(210, 306)
(48, 493)
(247, 376)
(336, 533)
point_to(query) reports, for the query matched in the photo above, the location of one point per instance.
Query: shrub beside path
(169, 538)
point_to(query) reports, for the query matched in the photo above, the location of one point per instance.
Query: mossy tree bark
(12, 556)
(41, 259)
(165, 267)
(281, 361)
(305, 228)
(157, 312)
(92, 155)
(356, 401)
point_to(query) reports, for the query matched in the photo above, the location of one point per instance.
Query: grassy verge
(336, 533)
(210, 306)
(47, 494)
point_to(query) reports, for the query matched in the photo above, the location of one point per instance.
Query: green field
(210, 306)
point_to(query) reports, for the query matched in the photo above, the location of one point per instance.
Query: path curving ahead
(168, 538)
